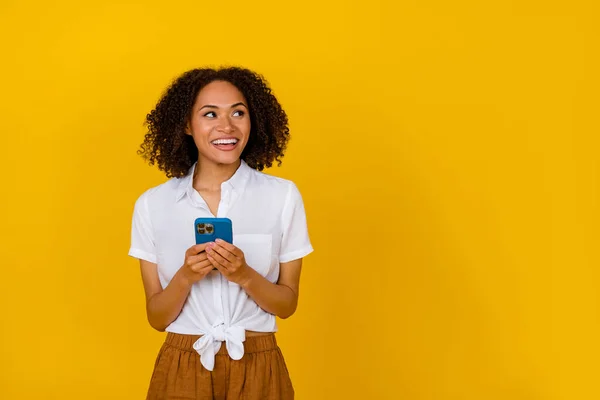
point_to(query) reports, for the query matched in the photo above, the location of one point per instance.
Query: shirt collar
(236, 182)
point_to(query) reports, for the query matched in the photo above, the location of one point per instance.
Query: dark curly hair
(167, 145)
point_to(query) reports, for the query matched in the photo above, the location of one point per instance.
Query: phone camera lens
(209, 229)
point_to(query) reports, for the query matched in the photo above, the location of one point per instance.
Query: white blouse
(269, 226)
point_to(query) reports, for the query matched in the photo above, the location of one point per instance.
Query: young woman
(212, 132)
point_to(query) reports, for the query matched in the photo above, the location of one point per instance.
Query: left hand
(229, 260)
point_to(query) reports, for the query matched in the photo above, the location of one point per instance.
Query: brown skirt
(260, 374)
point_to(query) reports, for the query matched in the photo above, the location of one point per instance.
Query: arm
(279, 298)
(163, 306)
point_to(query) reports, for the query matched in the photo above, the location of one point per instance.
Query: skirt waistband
(252, 344)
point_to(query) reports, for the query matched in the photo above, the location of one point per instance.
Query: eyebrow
(232, 106)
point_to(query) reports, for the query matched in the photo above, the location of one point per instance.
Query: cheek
(244, 126)
(201, 128)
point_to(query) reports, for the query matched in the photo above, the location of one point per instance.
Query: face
(220, 123)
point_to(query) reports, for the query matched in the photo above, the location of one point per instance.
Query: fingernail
(219, 241)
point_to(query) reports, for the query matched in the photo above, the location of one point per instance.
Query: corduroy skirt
(261, 374)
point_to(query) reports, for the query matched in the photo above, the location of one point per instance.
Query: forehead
(219, 93)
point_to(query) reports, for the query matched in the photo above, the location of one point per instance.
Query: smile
(224, 141)
(227, 144)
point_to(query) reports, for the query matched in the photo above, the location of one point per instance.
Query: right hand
(196, 264)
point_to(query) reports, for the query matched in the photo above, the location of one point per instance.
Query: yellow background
(447, 152)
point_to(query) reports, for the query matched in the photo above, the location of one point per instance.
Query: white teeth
(225, 141)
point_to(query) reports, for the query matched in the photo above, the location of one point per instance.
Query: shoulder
(272, 184)
(159, 194)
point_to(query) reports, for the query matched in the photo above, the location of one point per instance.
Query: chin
(221, 157)
(226, 159)
(228, 162)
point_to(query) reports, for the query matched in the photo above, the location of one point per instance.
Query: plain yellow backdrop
(447, 152)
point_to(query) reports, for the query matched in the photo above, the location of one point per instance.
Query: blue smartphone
(209, 229)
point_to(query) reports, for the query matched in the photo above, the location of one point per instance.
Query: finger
(226, 254)
(191, 260)
(198, 267)
(229, 247)
(196, 249)
(206, 270)
(219, 267)
(217, 260)
(223, 271)
(211, 253)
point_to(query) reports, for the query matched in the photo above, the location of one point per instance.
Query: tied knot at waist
(209, 344)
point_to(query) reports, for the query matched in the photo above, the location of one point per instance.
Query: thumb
(201, 247)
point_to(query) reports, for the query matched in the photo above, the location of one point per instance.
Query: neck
(209, 176)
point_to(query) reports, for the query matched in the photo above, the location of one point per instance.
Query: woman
(212, 132)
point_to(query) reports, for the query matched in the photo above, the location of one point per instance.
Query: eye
(238, 113)
(210, 114)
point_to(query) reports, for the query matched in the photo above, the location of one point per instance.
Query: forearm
(274, 298)
(164, 307)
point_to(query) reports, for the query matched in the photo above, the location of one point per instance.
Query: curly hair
(167, 145)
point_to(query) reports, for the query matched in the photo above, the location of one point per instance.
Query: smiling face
(219, 123)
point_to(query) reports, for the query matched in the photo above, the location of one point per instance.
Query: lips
(225, 141)
(225, 144)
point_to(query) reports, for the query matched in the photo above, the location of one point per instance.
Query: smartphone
(209, 229)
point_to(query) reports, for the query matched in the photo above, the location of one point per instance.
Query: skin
(220, 110)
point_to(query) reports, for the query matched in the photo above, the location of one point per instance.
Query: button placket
(221, 300)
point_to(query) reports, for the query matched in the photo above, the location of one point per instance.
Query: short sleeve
(295, 241)
(142, 236)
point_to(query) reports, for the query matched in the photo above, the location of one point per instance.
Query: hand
(229, 260)
(196, 264)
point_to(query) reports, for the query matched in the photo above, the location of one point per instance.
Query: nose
(225, 125)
